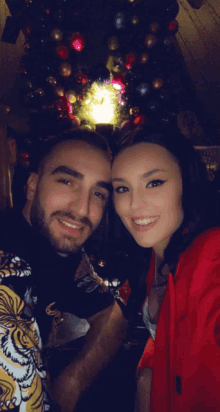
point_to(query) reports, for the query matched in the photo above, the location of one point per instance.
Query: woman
(160, 195)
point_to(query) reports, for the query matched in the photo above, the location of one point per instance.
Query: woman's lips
(142, 224)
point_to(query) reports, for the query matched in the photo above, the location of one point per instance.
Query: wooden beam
(5, 177)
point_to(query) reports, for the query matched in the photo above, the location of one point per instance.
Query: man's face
(69, 194)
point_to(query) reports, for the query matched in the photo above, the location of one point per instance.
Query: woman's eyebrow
(147, 174)
(151, 172)
(118, 179)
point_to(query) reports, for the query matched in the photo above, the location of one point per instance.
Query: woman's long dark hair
(195, 204)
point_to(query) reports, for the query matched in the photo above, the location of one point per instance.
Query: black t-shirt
(54, 277)
(39, 291)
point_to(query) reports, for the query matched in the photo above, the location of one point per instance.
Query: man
(66, 197)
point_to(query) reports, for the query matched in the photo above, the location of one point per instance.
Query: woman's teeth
(145, 221)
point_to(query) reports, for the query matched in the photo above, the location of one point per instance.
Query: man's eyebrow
(104, 185)
(147, 174)
(72, 172)
(67, 171)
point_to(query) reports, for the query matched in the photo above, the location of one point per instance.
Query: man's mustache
(69, 215)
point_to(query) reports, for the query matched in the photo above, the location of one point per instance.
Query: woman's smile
(147, 186)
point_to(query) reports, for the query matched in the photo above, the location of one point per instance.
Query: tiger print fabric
(21, 369)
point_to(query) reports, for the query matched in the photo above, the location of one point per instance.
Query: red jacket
(186, 354)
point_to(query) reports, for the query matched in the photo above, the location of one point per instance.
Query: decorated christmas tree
(87, 63)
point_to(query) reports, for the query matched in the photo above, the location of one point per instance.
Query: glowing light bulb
(102, 109)
(100, 105)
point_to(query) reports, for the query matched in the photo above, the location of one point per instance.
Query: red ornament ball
(77, 42)
(140, 120)
(81, 77)
(122, 98)
(27, 31)
(62, 52)
(173, 26)
(154, 27)
(130, 61)
(61, 104)
(118, 81)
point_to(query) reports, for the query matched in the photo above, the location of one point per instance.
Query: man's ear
(32, 186)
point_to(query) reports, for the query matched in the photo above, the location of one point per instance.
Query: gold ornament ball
(157, 83)
(40, 92)
(76, 121)
(7, 109)
(65, 69)
(134, 111)
(88, 98)
(154, 27)
(101, 263)
(150, 41)
(59, 91)
(51, 80)
(56, 34)
(113, 43)
(144, 58)
(23, 71)
(27, 47)
(168, 41)
(71, 96)
(135, 20)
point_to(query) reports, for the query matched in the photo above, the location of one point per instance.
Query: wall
(10, 55)
(199, 41)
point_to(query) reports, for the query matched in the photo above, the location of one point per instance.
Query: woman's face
(148, 194)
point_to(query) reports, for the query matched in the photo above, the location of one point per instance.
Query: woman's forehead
(144, 155)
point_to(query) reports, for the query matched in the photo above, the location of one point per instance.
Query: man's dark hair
(44, 148)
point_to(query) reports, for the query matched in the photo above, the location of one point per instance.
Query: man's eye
(121, 189)
(101, 195)
(155, 183)
(64, 181)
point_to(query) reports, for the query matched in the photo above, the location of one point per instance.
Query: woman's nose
(138, 198)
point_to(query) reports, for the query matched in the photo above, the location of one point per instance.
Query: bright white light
(102, 107)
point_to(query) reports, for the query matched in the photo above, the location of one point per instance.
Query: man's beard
(66, 244)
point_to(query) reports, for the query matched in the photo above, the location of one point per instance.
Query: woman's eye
(121, 189)
(155, 183)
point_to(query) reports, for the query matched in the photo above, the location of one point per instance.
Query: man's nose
(80, 203)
